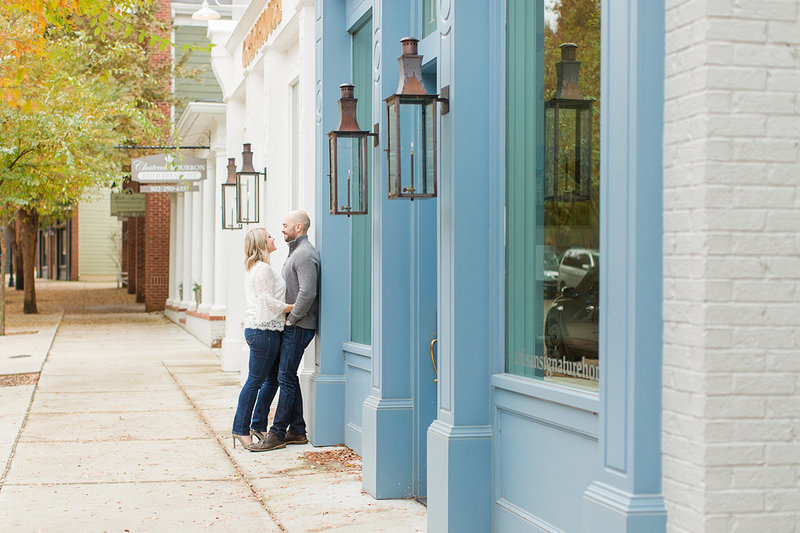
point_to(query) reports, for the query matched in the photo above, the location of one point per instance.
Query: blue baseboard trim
(387, 447)
(460, 432)
(509, 517)
(459, 497)
(608, 508)
(353, 437)
(326, 413)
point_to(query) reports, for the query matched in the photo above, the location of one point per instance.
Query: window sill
(358, 349)
(549, 392)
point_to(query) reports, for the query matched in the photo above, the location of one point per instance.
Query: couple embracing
(280, 322)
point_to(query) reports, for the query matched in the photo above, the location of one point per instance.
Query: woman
(265, 293)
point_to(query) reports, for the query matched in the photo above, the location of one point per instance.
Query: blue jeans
(264, 348)
(290, 403)
(264, 400)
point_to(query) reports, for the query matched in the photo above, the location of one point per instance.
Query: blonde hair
(255, 247)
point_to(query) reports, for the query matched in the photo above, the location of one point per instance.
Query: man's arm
(307, 272)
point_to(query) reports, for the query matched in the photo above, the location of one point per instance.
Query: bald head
(295, 223)
(298, 216)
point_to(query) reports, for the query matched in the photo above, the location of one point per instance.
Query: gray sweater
(301, 273)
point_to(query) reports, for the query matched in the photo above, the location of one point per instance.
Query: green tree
(90, 94)
(105, 18)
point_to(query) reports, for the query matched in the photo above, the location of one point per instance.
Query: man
(301, 273)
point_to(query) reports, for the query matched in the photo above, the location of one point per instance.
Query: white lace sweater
(265, 295)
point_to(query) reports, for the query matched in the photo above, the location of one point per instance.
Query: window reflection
(552, 190)
(571, 195)
(571, 330)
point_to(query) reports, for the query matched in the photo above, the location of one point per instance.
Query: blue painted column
(388, 410)
(626, 496)
(332, 232)
(460, 439)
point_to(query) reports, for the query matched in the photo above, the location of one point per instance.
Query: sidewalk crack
(209, 429)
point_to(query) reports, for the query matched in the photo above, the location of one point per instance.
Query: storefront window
(553, 184)
(361, 260)
(428, 17)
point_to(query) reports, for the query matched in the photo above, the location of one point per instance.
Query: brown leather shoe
(296, 438)
(271, 442)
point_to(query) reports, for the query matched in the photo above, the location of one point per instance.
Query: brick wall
(731, 419)
(131, 255)
(156, 262)
(124, 248)
(141, 282)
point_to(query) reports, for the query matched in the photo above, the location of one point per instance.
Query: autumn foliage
(76, 80)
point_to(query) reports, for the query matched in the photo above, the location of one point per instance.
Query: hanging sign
(167, 168)
(127, 204)
(183, 187)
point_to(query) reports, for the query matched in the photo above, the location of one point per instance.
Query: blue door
(424, 389)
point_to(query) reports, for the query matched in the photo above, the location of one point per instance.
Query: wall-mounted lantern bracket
(444, 100)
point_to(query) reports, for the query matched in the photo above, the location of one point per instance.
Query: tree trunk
(16, 250)
(3, 262)
(28, 220)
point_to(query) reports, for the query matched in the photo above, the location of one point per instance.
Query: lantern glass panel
(429, 143)
(350, 179)
(247, 185)
(229, 208)
(568, 150)
(332, 143)
(412, 147)
(392, 147)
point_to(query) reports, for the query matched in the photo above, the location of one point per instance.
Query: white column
(186, 300)
(173, 249)
(307, 112)
(207, 189)
(218, 307)
(180, 208)
(232, 249)
(306, 161)
(233, 345)
(197, 243)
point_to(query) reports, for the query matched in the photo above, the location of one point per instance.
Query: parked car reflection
(571, 326)
(550, 268)
(575, 263)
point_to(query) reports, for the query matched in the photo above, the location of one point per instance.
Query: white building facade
(263, 60)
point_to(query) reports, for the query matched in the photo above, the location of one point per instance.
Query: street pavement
(128, 429)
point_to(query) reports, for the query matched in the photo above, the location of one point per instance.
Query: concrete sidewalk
(22, 351)
(129, 429)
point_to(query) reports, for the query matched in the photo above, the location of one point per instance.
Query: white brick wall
(731, 421)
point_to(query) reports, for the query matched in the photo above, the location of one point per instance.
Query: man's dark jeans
(290, 403)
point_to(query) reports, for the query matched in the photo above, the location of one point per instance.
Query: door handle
(433, 360)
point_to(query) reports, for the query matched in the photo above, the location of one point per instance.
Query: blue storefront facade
(433, 359)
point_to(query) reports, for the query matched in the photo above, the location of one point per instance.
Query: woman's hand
(289, 308)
